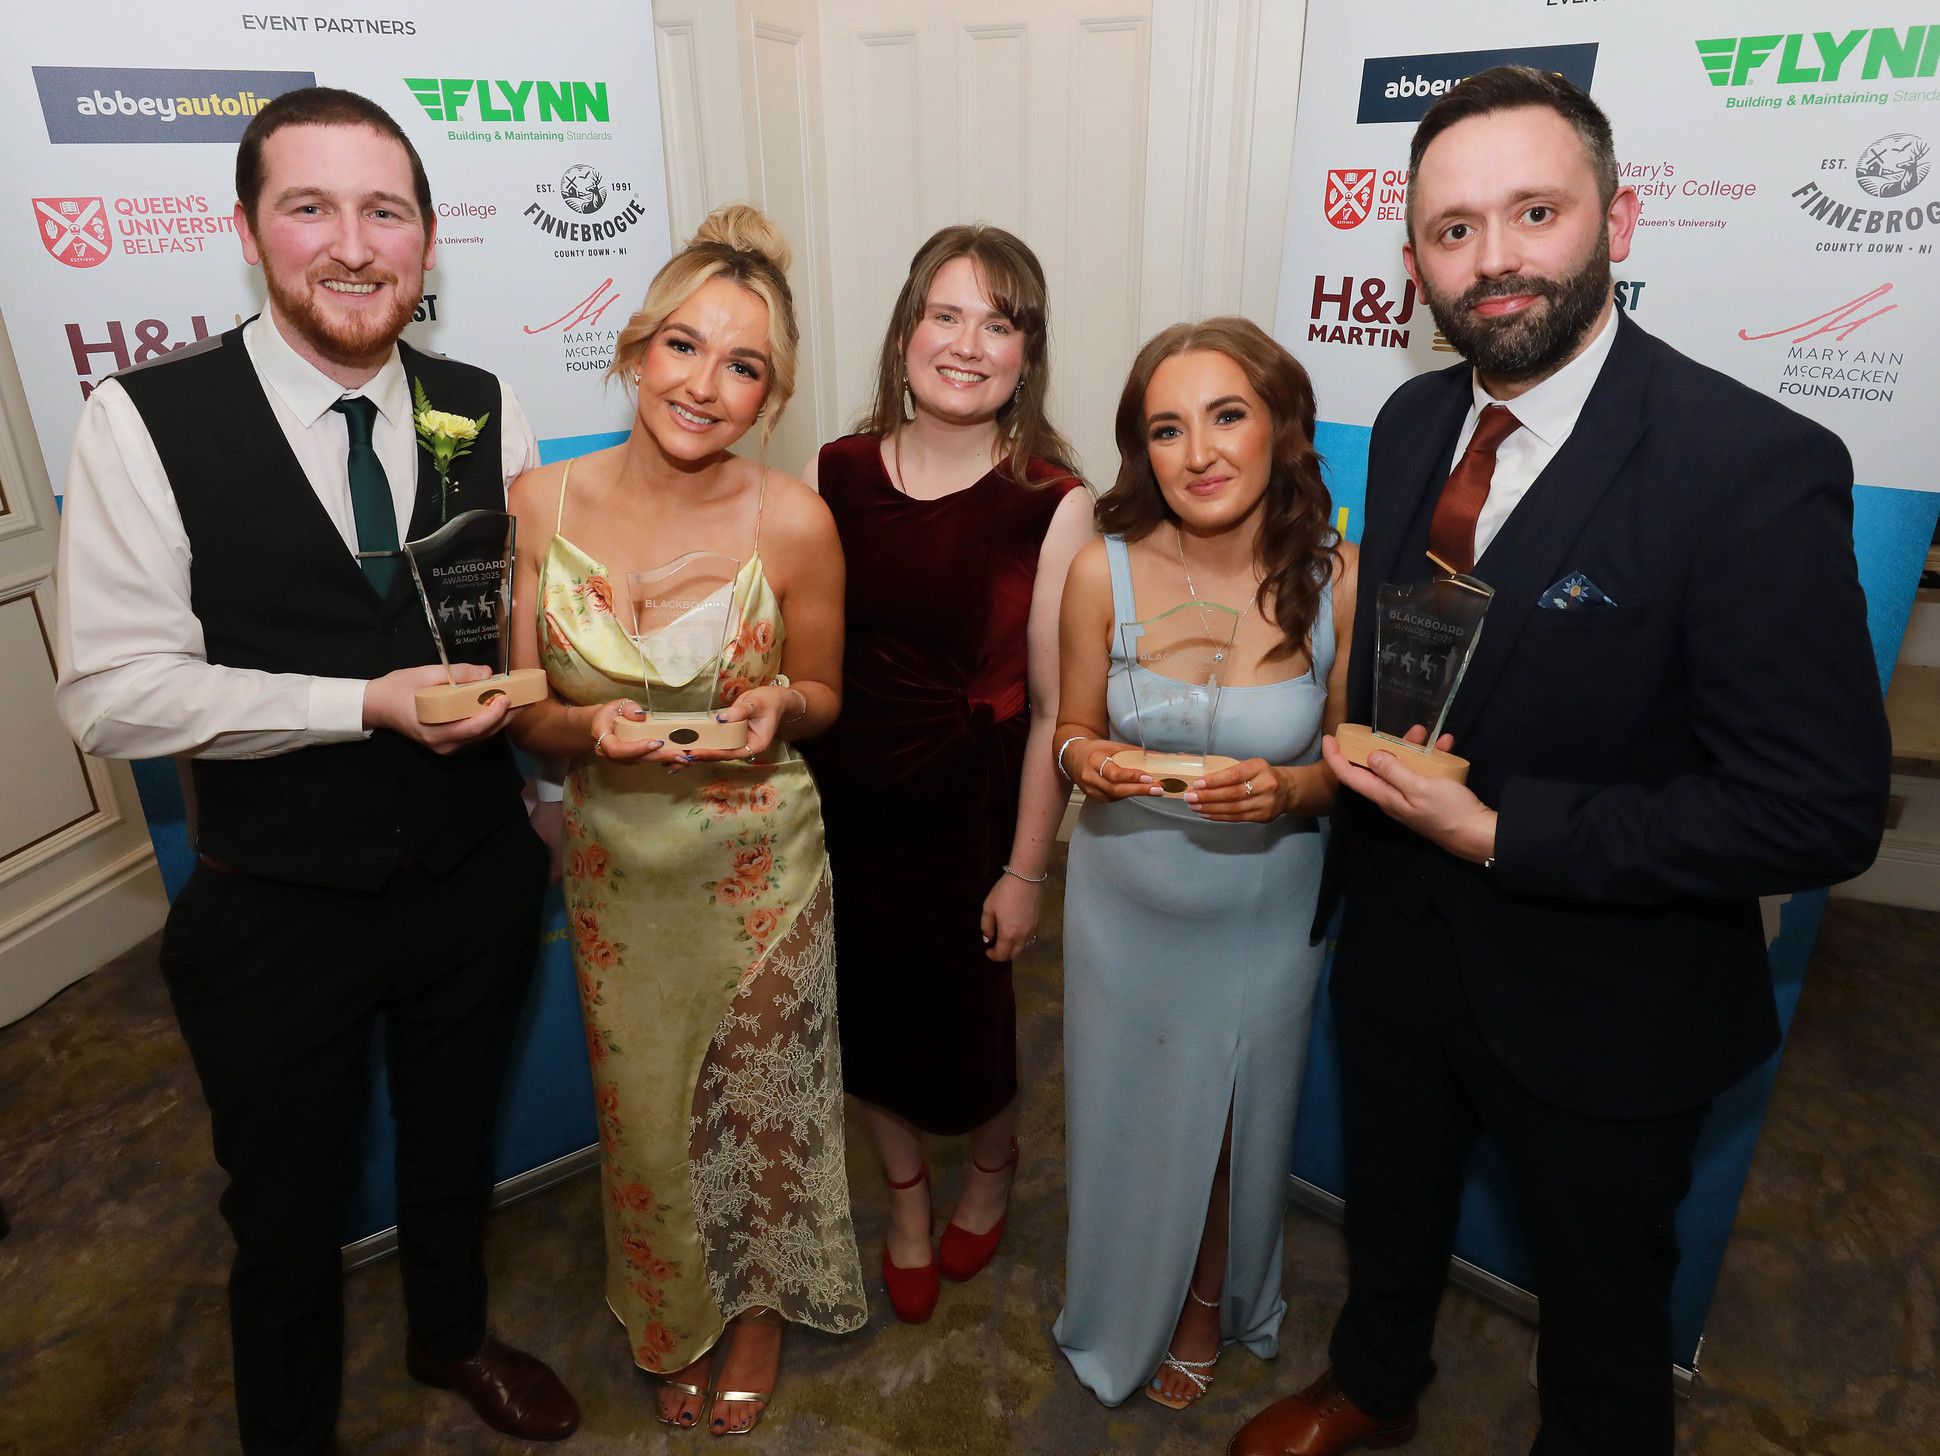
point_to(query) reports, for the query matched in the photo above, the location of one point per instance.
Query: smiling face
(1209, 440)
(704, 374)
(1511, 243)
(342, 243)
(964, 356)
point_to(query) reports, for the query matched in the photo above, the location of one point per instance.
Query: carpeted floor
(112, 1335)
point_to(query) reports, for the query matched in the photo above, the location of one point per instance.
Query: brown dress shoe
(511, 1391)
(1320, 1421)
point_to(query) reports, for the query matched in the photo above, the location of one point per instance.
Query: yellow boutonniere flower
(446, 436)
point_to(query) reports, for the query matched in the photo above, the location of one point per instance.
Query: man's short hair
(1507, 88)
(319, 106)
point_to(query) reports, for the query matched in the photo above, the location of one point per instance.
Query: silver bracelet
(1075, 737)
(1026, 878)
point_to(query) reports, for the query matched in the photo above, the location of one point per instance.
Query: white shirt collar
(308, 391)
(1549, 410)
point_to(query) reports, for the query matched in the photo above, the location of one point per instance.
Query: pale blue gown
(1188, 988)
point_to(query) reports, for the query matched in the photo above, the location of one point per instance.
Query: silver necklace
(1220, 656)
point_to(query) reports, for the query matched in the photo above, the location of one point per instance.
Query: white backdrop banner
(1790, 233)
(540, 132)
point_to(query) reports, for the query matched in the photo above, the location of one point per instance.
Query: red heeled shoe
(961, 1255)
(912, 1292)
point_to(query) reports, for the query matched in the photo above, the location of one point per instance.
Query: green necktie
(370, 494)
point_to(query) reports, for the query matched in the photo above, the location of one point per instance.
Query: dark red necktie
(1451, 534)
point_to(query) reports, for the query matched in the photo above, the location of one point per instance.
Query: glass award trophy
(683, 617)
(1424, 637)
(1184, 653)
(463, 575)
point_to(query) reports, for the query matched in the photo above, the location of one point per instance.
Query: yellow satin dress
(699, 907)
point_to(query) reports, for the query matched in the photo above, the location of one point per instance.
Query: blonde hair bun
(747, 230)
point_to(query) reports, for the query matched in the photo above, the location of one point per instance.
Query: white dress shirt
(134, 678)
(1548, 413)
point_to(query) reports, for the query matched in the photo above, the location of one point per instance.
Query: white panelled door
(1027, 115)
(78, 883)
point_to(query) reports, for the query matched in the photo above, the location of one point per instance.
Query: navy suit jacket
(1716, 735)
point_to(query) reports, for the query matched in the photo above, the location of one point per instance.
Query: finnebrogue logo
(96, 104)
(608, 206)
(1888, 169)
(1402, 88)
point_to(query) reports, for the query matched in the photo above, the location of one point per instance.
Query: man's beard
(353, 341)
(1534, 342)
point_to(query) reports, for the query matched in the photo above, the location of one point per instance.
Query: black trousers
(1595, 1199)
(277, 988)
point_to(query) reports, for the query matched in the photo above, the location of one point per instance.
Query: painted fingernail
(720, 717)
(1146, 779)
(687, 758)
(657, 743)
(1191, 797)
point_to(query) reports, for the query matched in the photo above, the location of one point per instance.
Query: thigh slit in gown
(1188, 991)
(699, 905)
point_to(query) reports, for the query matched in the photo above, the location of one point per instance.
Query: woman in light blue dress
(1189, 979)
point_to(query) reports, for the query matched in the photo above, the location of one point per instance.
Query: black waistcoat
(275, 590)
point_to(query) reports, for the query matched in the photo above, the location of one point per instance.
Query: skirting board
(372, 1247)
(1492, 1287)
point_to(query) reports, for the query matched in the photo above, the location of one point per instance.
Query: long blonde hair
(737, 242)
(1016, 282)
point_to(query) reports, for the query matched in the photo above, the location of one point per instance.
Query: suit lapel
(1531, 549)
(1420, 470)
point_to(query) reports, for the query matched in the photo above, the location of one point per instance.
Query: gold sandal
(697, 1392)
(756, 1398)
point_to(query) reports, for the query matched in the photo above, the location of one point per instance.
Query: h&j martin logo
(83, 104)
(1402, 88)
(74, 230)
(1349, 198)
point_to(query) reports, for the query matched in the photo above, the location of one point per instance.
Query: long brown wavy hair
(1016, 282)
(1298, 550)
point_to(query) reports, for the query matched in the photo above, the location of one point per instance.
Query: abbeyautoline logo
(465, 98)
(1822, 57)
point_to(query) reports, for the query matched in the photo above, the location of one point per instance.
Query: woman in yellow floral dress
(696, 883)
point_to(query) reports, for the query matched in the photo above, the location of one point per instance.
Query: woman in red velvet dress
(959, 511)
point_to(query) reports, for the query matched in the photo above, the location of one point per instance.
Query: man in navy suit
(1672, 711)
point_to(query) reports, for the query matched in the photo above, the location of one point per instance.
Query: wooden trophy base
(683, 730)
(1174, 771)
(1357, 741)
(448, 702)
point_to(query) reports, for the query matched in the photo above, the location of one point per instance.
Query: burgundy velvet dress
(919, 778)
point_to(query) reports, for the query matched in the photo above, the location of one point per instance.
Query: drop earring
(1018, 392)
(909, 402)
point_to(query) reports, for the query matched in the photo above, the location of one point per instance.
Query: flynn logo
(1822, 57)
(74, 230)
(1349, 197)
(460, 98)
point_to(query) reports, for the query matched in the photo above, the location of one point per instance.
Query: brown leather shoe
(511, 1391)
(1320, 1421)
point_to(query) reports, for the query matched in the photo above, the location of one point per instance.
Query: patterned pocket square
(1573, 593)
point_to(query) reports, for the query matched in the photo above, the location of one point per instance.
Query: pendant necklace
(1219, 656)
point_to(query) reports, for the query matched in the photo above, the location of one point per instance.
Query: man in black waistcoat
(230, 593)
(1672, 710)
